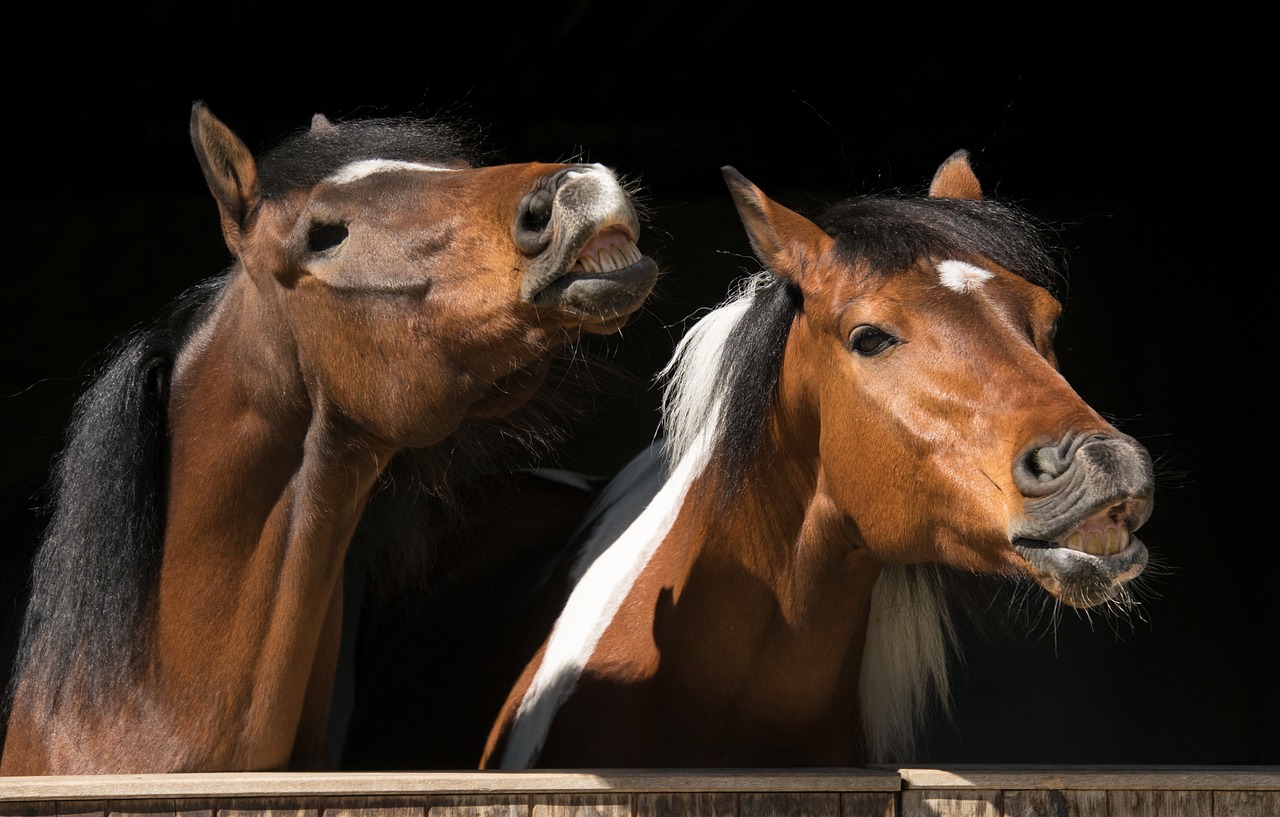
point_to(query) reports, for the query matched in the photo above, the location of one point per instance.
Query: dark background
(1135, 130)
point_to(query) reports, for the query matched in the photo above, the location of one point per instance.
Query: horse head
(922, 375)
(417, 291)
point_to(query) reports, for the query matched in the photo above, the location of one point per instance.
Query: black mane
(306, 157)
(895, 232)
(102, 513)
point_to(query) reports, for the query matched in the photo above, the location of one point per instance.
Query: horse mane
(99, 556)
(721, 387)
(306, 157)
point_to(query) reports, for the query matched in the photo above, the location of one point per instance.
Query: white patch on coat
(962, 276)
(363, 169)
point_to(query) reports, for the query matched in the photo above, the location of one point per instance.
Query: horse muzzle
(1084, 496)
(581, 228)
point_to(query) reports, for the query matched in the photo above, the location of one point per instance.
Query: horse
(877, 409)
(393, 305)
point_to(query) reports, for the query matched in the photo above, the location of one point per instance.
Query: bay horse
(880, 404)
(389, 297)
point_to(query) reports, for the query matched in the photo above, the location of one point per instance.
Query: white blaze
(367, 167)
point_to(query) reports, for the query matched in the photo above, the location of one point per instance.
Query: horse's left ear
(230, 171)
(767, 222)
(321, 124)
(955, 179)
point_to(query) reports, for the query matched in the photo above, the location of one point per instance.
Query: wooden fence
(955, 791)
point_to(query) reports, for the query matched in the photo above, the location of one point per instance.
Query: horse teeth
(1106, 542)
(1095, 543)
(604, 255)
(618, 258)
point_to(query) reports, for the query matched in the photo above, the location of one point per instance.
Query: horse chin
(1081, 579)
(600, 302)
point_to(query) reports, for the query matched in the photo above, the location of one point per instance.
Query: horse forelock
(307, 157)
(94, 570)
(888, 233)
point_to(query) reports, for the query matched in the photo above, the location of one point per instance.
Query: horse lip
(1077, 578)
(608, 278)
(606, 295)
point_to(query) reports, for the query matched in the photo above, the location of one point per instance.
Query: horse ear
(230, 171)
(784, 241)
(321, 124)
(955, 179)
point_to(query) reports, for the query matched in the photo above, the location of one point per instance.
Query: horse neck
(265, 490)
(780, 543)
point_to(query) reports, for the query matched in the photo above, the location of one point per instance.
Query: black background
(1136, 130)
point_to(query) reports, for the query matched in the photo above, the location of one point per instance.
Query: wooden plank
(195, 808)
(1246, 803)
(869, 804)
(478, 805)
(83, 808)
(686, 804)
(158, 807)
(38, 808)
(271, 807)
(1160, 803)
(372, 807)
(1056, 803)
(788, 804)
(952, 803)
(281, 784)
(1139, 778)
(580, 805)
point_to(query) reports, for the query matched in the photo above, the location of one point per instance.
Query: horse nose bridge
(592, 196)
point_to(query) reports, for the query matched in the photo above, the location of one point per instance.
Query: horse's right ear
(230, 171)
(955, 179)
(767, 222)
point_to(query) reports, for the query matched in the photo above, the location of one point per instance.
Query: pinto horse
(388, 296)
(760, 588)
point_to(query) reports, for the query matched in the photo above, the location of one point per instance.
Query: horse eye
(323, 237)
(869, 341)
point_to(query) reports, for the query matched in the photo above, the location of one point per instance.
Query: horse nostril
(538, 214)
(1044, 464)
(533, 219)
